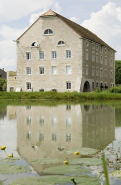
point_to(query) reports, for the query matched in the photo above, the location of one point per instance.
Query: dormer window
(35, 44)
(61, 42)
(48, 32)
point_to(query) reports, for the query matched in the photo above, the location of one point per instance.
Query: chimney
(3, 69)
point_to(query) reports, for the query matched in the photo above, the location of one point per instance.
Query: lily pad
(83, 151)
(116, 173)
(12, 168)
(70, 169)
(87, 161)
(47, 161)
(1, 183)
(52, 179)
(8, 160)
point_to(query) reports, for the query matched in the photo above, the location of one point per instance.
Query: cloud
(75, 19)
(17, 9)
(34, 17)
(8, 47)
(106, 23)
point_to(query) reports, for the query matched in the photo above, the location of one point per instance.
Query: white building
(55, 53)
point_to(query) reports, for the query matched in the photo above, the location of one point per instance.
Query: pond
(42, 136)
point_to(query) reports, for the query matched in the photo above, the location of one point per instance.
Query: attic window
(48, 32)
(60, 43)
(35, 44)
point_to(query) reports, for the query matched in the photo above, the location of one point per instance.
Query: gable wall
(48, 44)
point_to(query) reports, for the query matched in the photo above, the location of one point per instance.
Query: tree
(118, 71)
(3, 84)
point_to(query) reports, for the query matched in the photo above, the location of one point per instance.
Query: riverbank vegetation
(70, 96)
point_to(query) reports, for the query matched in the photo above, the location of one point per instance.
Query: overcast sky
(102, 17)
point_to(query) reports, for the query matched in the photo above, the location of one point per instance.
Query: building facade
(3, 74)
(55, 53)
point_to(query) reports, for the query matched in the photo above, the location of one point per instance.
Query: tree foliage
(118, 71)
(3, 84)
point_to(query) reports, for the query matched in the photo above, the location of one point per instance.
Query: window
(86, 70)
(28, 56)
(86, 54)
(48, 32)
(97, 71)
(111, 62)
(41, 137)
(28, 135)
(28, 85)
(92, 85)
(68, 122)
(28, 121)
(68, 138)
(93, 56)
(97, 47)
(68, 53)
(105, 60)
(111, 74)
(101, 49)
(96, 84)
(35, 44)
(41, 121)
(54, 137)
(68, 69)
(54, 121)
(54, 70)
(105, 50)
(54, 54)
(93, 45)
(61, 42)
(41, 54)
(93, 71)
(101, 72)
(28, 70)
(111, 53)
(101, 59)
(105, 75)
(68, 85)
(41, 70)
(68, 107)
(97, 58)
(87, 43)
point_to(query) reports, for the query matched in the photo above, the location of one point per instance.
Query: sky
(102, 17)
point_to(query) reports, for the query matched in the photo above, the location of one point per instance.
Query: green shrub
(115, 90)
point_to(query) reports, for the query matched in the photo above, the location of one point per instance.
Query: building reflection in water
(44, 131)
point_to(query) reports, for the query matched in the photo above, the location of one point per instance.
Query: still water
(42, 131)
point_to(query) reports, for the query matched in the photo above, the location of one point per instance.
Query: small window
(93, 56)
(93, 45)
(97, 58)
(68, 53)
(28, 135)
(97, 71)
(68, 122)
(28, 121)
(41, 54)
(41, 121)
(68, 138)
(105, 50)
(54, 121)
(35, 44)
(54, 137)
(105, 60)
(54, 70)
(97, 47)
(61, 42)
(86, 54)
(96, 84)
(101, 49)
(105, 73)
(111, 74)
(28, 55)
(68, 69)
(93, 85)
(111, 62)
(101, 72)
(28, 85)
(41, 70)
(86, 70)
(111, 53)
(54, 54)
(41, 136)
(68, 85)
(48, 32)
(93, 71)
(87, 43)
(28, 70)
(101, 59)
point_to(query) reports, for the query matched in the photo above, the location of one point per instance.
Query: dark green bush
(115, 90)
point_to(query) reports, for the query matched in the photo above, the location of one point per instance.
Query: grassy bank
(68, 96)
